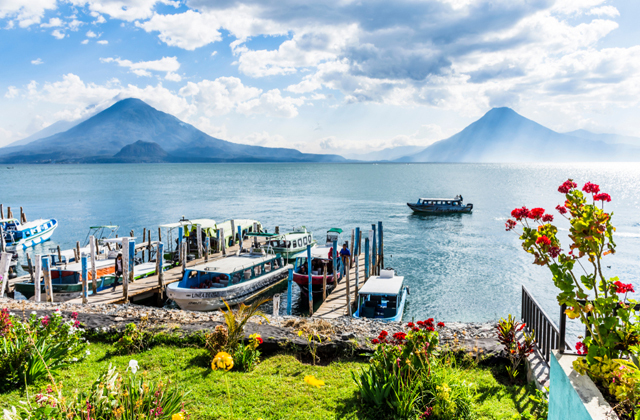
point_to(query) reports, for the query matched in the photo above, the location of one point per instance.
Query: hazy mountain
(390, 153)
(55, 128)
(605, 137)
(131, 120)
(502, 135)
(141, 151)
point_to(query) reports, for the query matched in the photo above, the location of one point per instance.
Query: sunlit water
(458, 267)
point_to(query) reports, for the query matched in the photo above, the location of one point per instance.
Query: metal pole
(357, 246)
(289, 287)
(563, 328)
(366, 259)
(199, 239)
(310, 280)
(85, 273)
(240, 236)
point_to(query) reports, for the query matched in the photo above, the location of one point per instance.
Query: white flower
(75, 359)
(34, 313)
(133, 365)
(12, 314)
(10, 415)
(88, 352)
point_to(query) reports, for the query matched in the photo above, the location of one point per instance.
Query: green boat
(291, 243)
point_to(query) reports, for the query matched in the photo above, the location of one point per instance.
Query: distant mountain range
(503, 135)
(130, 131)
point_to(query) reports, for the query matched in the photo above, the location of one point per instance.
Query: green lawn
(274, 390)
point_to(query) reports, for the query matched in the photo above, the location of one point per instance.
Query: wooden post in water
(144, 239)
(353, 246)
(366, 259)
(357, 246)
(159, 234)
(374, 252)
(125, 269)
(59, 254)
(207, 246)
(159, 266)
(276, 304)
(5, 263)
(357, 291)
(223, 242)
(277, 231)
(23, 219)
(94, 272)
(75, 255)
(324, 281)
(380, 248)
(148, 246)
(9, 213)
(37, 293)
(335, 263)
(131, 233)
(310, 280)
(1, 211)
(78, 251)
(46, 270)
(30, 265)
(199, 240)
(349, 312)
(233, 233)
(289, 287)
(85, 274)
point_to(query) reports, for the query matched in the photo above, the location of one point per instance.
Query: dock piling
(223, 242)
(59, 255)
(125, 269)
(92, 255)
(1, 211)
(366, 259)
(349, 309)
(207, 248)
(30, 265)
(148, 246)
(324, 282)
(289, 287)
(380, 248)
(335, 262)
(233, 232)
(9, 213)
(5, 262)
(23, 217)
(184, 257)
(37, 293)
(355, 294)
(199, 240)
(276, 304)
(159, 264)
(240, 236)
(374, 252)
(180, 238)
(46, 270)
(144, 239)
(85, 273)
(309, 271)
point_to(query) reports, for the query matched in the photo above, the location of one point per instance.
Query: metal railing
(547, 335)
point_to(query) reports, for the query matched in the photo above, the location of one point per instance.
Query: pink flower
(547, 218)
(45, 321)
(510, 225)
(590, 188)
(567, 186)
(561, 209)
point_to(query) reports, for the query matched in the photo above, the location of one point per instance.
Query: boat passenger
(118, 271)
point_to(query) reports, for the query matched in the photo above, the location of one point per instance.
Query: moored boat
(233, 279)
(291, 243)
(20, 236)
(382, 297)
(320, 256)
(440, 205)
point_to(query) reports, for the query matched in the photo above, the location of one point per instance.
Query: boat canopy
(104, 227)
(441, 199)
(264, 234)
(336, 230)
(118, 240)
(233, 263)
(8, 220)
(378, 285)
(205, 223)
(321, 252)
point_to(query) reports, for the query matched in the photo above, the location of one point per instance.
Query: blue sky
(337, 76)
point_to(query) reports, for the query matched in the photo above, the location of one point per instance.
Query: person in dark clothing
(345, 254)
(119, 269)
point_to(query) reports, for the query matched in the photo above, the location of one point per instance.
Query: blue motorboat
(382, 297)
(440, 205)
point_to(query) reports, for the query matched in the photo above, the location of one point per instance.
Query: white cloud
(214, 53)
(128, 10)
(609, 11)
(58, 34)
(12, 92)
(166, 64)
(26, 12)
(91, 34)
(188, 30)
(85, 42)
(103, 42)
(272, 103)
(37, 61)
(53, 23)
(219, 96)
(75, 24)
(99, 20)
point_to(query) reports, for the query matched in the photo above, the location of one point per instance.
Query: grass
(275, 389)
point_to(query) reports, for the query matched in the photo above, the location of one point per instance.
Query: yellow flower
(178, 416)
(300, 333)
(311, 380)
(223, 360)
(572, 312)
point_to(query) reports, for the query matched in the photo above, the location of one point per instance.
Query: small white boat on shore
(20, 236)
(382, 297)
(234, 279)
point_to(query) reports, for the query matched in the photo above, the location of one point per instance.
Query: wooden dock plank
(335, 305)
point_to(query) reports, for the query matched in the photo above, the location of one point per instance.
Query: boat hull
(26, 243)
(212, 299)
(302, 280)
(63, 292)
(440, 209)
(399, 313)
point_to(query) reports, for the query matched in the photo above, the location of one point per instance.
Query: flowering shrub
(216, 340)
(247, 354)
(401, 376)
(516, 351)
(134, 338)
(599, 302)
(111, 397)
(28, 348)
(222, 361)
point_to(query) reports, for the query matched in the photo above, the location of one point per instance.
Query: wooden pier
(335, 305)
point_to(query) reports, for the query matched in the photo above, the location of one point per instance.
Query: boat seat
(367, 312)
(370, 304)
(389, 312)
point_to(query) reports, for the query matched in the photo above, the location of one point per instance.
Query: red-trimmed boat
(320, 256)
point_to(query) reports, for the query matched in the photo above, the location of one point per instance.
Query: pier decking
(335, 305)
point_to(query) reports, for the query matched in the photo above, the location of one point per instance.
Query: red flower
(420, 323)
(415, 329)
(430, 328)
(440, 324)
(259, 340)
(74, 315)
(567, 186)
(411, 325)
(581, 348)
(429, 321)
(547, 218)
(561, 209)
(536, 213)
(591, 188)
(519, 214)
(543, 240)
(602, 197)
(623, 288)
(400, 336)
(510, 225)
(45, 321)
(426, 414)
(554, 251)
(375, 341)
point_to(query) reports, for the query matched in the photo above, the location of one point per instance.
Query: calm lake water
(458, 268)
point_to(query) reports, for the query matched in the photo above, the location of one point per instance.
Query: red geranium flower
(602, 197)
(375, 341)
(420, 323)
(581, 348)
(411, 325)
(429, 321)
(623, 288)
(415, 329)
(543, 240)
(430, 328)
(400, 336)
(536, 213)
(561, 209)
(554, 251)
(547, 218)
(440, 324)
(259, 340)
(567, 186)
(383, 333)
(520, 213)
(510, 225)
(591, 188)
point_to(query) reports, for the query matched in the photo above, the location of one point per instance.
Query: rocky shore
(341, 334)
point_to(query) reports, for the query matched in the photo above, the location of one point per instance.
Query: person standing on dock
(118, 271)
(345, 254)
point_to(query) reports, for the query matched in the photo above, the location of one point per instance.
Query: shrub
(110, 397)
(237, 320)
(515, 349)
(31, 349)
(134, 338)
(247, 355)
(217, 340)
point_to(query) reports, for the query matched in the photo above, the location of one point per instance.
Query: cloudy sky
(323, 75)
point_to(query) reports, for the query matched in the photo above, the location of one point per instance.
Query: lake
(458, 268)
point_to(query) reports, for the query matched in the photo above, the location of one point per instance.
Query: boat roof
(233, 263)
(442, 199)
(8, 220)
(264, 234)
(317, 251)
(336, 230)
(205, 223)
(118, 240)
(104, 227)
(378, 285)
